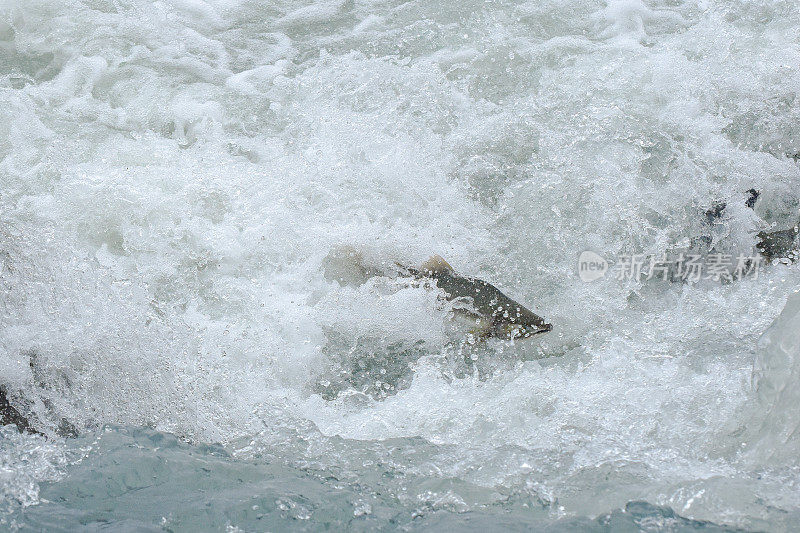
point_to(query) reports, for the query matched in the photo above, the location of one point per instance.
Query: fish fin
(406, 269)
(436, 265)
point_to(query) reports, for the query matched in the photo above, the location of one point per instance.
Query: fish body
(477, 304)
(494, 314)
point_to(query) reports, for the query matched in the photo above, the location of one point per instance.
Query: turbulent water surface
(177, 176)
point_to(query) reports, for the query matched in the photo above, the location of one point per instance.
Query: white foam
(173, 188)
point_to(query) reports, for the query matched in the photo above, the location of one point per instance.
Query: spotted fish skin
(501, 316)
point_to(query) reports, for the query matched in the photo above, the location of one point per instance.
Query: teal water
(141, 480)
(177, 178)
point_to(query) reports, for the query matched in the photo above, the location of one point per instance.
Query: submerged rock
(752, 198)
(779, 244)
(10, 415)
(776, 244)
(644, 516)
(46, 416)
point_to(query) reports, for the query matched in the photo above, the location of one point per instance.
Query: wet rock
(715, 212)
(779, 244)
(752, 198)
(10, 415)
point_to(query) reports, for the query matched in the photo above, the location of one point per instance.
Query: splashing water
(175, 176)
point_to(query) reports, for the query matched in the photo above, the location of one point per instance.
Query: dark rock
(10, 415)
(780, 244)
(715, 212)
(752, 198)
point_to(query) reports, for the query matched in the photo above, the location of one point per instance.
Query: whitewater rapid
(174, 176)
